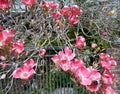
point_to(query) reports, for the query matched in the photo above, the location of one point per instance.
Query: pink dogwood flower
(63, 58)
(105, 64)
(67, 54)
(80, 42)
(56, 60)
(112, 61)
(106, 61)
(104, 56)
(107, 77)
(42, 52)
(31, 63)
(53, 5)
(75, 10)
(45, 6)
(29, 2)
(73, 20)
(48, 5)
(93, 87)
(65, 11)
(94, 74)
(6, 36)
(24, 72)
(82, 74)
(95, 77)
(56, 15)
(65, 65)
(106, 89)
(75, 64)
(18, 46)
(5, 4)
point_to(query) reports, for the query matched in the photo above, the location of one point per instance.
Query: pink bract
(80, 42)
(75, 10)
(45, 5)
(73, 20)
(65, 65)
(112, 61)
(75, 64)
(68, 54)
(93, 87)
(104, 56)
(29, 2)
(56, 15)
(106, 89)
(65, 10)
(82, 74)
(42, 52)
(63, 58)
(56, 59)
(31, 63)
(94, 74)
(18, 46)
(106, 61)
(107, 77)
(53, 5)
(6, 37)
(5, 4)
(24, 73)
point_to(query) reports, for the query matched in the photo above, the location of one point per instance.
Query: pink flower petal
(29, 2)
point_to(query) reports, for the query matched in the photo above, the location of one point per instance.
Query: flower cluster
(8, 47)
(26, 71)
(106, 61)
(6, 37)
(107, 77)
(94, 80)
(69, 13)
(80, 42)
(29, 2)
(5, 4)
(49, 5)
(91, 77)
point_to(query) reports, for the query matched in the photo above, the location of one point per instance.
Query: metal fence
(47, 82)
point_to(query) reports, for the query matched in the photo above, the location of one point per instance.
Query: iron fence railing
(46, 82)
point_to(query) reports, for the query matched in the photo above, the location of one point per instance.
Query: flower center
(25, 74)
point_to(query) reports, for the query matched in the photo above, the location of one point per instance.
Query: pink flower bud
(93, 45)
(42, 52)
